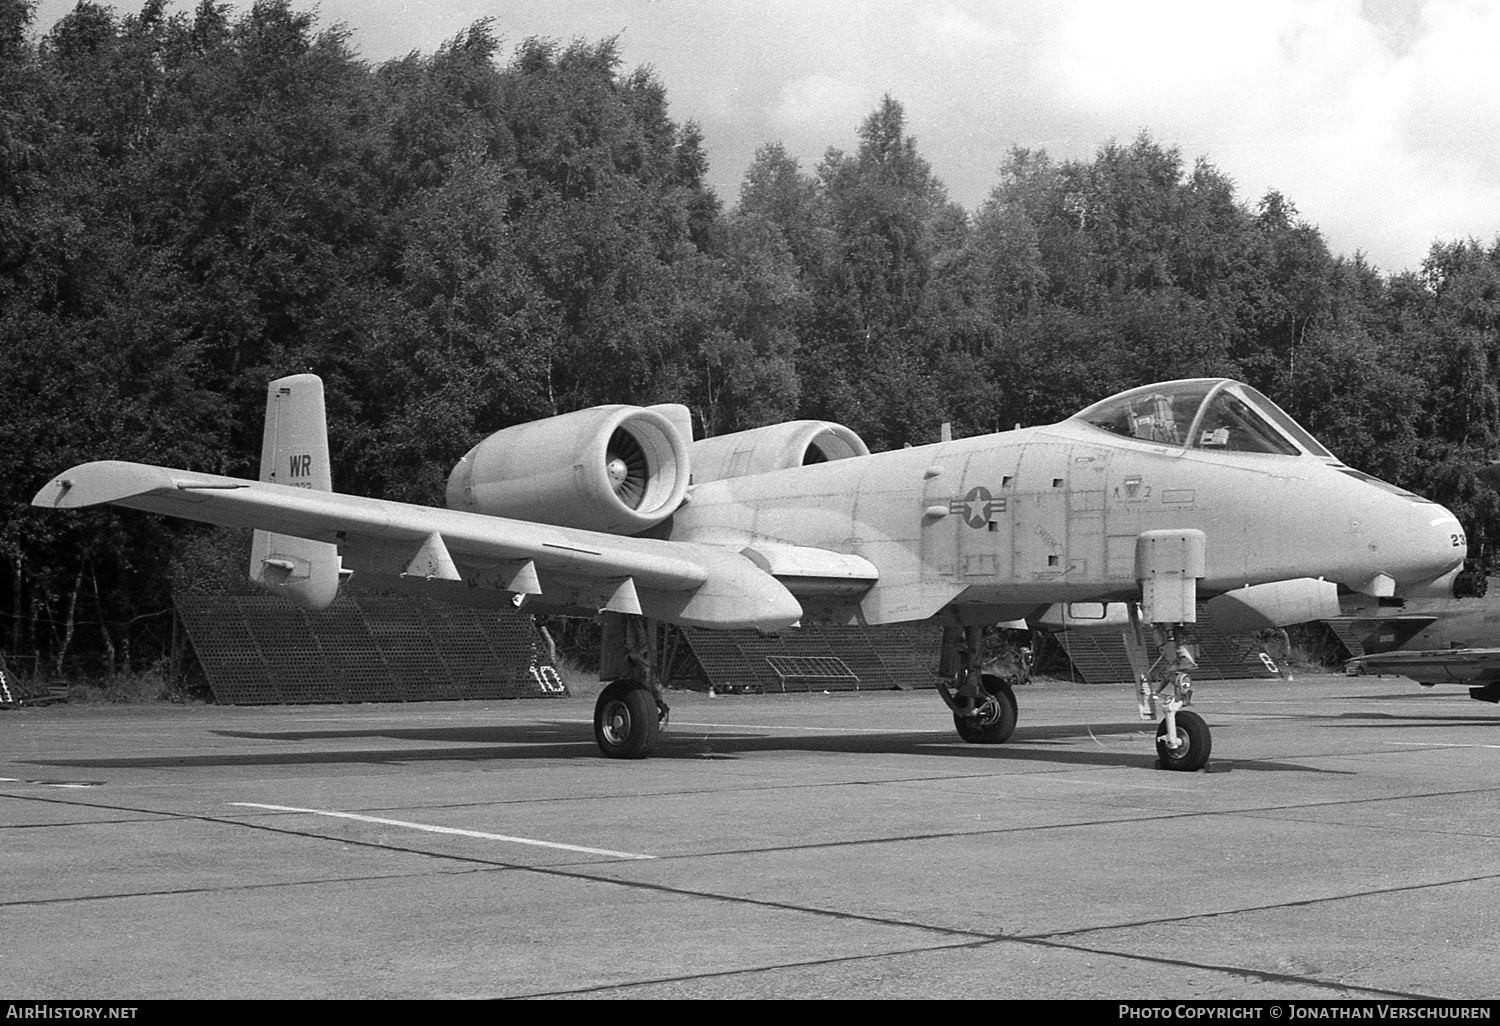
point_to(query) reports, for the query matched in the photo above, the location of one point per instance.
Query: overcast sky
(1379, 119)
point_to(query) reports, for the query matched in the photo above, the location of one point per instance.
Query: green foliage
(1311, 648)
(192, 205)
(151, 685)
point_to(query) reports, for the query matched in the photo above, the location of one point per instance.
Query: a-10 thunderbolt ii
(1432, 641)
(1157, 497)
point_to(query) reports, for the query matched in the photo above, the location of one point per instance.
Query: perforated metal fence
(265, 651)
(1099, 656)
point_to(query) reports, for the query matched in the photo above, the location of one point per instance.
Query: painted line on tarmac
(1439, 744)
(432, 829)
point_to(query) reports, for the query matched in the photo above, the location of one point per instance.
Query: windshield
(1285, 422)
(1203, 413)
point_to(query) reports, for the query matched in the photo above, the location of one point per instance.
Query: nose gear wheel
(1194, 743)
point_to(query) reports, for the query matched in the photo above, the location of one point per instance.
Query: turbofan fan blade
(627, 467)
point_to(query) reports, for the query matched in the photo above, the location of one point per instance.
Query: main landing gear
(632, 709)
(983, 704)
(628, 718)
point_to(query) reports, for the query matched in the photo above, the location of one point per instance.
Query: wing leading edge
(462, 555)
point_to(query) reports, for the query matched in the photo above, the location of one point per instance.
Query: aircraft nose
(1408, 542)
(1435, 545)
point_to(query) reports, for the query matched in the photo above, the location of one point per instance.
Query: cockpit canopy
(1214, 414)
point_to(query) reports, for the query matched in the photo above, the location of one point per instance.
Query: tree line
(194, 204)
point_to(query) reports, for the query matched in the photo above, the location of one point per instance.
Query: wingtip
(90, 484)
(53, 493)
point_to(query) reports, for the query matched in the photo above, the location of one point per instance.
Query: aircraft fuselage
(1006, 522)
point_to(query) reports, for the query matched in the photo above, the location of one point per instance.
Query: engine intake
(621, 469)
(796, 443)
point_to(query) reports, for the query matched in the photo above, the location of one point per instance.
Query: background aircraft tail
(294, 451)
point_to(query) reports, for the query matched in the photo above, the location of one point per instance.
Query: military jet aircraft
(1470, 619)
(1432, 641)
(1153, 497)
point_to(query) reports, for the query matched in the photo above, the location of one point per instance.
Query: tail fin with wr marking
(294, 451)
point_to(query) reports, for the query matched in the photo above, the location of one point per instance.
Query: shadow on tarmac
(1406, 721)
(567, 740)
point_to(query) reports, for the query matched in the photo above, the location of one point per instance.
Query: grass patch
(136, 687)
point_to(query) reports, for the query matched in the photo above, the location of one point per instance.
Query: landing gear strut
(1168, 565)
(1165, 689)
(632, 709)
(983, 704)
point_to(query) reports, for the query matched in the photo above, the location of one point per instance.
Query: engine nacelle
(777, 447)
(621, 469)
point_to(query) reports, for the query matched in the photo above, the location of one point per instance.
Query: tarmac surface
(808, 846)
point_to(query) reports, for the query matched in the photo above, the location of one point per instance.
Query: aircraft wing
(1475, 666)
(698, 584)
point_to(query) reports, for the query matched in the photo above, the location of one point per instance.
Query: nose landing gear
(1165, 689)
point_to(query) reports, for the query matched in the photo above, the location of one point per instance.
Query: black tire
(626, 720)
(996, 729)
(1193, 755)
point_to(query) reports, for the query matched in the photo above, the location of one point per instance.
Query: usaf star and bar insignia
(978, 507)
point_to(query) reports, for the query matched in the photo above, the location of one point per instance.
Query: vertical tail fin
(294, 451)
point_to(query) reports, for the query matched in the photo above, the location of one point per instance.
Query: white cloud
(1376, 117)
(819, 100)
(1452, 109)
(1386, 140)
(1114, 56)
(950, 25)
